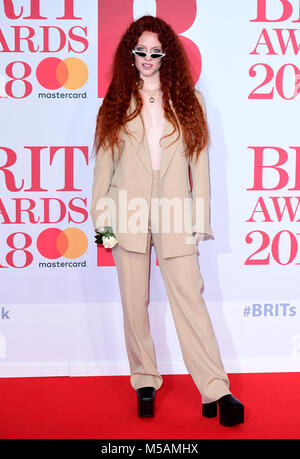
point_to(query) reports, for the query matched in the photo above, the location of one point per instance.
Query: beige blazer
(128, 184)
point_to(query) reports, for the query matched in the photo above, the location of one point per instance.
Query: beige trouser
(183, 282)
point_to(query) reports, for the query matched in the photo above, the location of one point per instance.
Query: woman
(151, 99)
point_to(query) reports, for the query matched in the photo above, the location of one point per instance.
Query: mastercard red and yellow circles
(54, 243)
(54, 73)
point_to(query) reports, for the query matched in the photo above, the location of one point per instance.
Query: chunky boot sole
(210, 410)
(231, 410)
(145, 401)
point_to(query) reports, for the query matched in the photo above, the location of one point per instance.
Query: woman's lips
(147, 66)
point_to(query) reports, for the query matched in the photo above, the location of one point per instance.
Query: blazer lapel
(141, 146)
(169, 148)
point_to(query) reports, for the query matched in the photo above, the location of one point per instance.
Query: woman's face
(148, 42)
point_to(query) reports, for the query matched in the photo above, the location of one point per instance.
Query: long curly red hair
(176, 84)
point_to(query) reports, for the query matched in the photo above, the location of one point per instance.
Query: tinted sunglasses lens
(140, 53)
(156, 55)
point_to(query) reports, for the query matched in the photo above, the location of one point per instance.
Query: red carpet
(105, 408)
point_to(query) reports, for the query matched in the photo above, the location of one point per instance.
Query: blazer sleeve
(103, 172)
(201, 189)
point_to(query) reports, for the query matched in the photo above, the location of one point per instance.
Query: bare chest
(154, 120)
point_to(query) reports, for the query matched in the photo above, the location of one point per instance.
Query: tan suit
(133, 176)
(178, 261)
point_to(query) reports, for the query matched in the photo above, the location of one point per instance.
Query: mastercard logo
(54, 243)
(54, 73)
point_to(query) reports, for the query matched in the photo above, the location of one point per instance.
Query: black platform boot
(231, 410)
(145, 401)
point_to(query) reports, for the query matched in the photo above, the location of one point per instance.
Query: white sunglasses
(144, 54)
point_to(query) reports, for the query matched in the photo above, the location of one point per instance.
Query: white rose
(109, 241)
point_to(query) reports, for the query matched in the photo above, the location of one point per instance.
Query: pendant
(152, 100)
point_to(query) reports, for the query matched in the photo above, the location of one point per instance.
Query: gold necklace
(151, 98)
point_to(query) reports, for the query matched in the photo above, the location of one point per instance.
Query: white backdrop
(60, 310)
